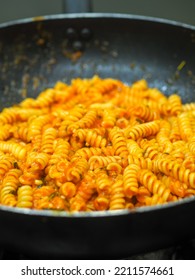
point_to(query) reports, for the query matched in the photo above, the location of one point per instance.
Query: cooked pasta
(97, 145)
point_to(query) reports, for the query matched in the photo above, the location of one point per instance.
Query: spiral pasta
(90, 137)
(97, 145)
(16, 149)
(117, 196)
(142, 130)
(25, 197)
(9, 187)
(102, 161)
(131, 180)
(148, 179)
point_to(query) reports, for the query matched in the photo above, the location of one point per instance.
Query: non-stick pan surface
(34, 54)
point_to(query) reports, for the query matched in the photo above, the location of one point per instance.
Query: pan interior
(34, 54)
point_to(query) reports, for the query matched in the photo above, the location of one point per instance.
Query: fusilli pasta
(97, 144)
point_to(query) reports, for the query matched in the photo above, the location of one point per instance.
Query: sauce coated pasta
(97, 144)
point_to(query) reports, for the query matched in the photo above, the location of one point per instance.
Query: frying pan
(34, 54)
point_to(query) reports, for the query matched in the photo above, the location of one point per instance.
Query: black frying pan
(34, 54)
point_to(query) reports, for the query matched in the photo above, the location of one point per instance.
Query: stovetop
(184, 251)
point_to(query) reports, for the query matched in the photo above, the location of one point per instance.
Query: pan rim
(95, 16)
(96, 214)
(107, 213)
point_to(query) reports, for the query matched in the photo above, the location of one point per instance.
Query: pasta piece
(36, 126)
(142, 195)
(20, 132)
(8, 116)
(17, 150)
(25, 197)
(185, 128)
(155, 186)
(76, 170)
(85, 191)
(114, 169)
(44, 99)
(176, 187)
(144, 163)
(61, 151)
(188, 107)
(49, 135)
(109, 118)
(9, 187)
(155, 199)
(87, 153)
(134, 148)
(142, 130)
(68, 189)
(150, 148)
(175, 104)
(103, 182)
(117, 197)
(189, 163)
(119, 142)
(41, 197)
(145, 113)
(101, 203)
(6, 163)
(175, 130)
(170, 168)
(162, 137)
(5, 132)
(90, 137)
(130, 180)
(102, 161)
(86, 122)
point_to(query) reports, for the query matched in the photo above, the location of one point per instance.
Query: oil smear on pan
(33, 61)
